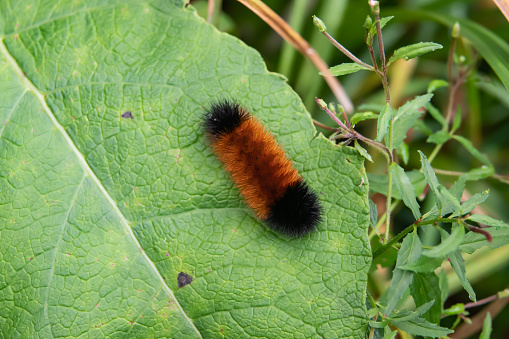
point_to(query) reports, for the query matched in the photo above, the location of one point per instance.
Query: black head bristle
(223, 117)
(297, 212)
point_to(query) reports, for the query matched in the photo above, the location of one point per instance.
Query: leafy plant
(415, 273)
(116, 220)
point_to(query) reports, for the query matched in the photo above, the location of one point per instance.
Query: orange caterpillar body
(261, 170)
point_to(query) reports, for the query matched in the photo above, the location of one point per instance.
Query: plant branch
(380, 41)
(213, 11)
(319, 124)
(347, 52)
(499, 295)
(351, 133)
(292, 37)
(407, 230)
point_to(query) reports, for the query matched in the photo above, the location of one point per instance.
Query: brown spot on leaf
(127, 115)
(184, 279)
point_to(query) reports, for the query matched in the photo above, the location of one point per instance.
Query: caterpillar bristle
(260, 169)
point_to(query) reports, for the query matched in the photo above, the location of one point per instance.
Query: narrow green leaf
(439, 137)
(494, 88)
(372, 312)
(456, 122)
(413, 106)
(455, 309)
(383, 122)
(362, 151)
(449, 199)
(470, 204)
(448, 245)
(414, 50)
(361, 116)
(407, 116)
(444, 286)
(474, 241)
(472, 150)
(486, 328)
(409, 315)
(377, 324)
(423, 264)
(373, 213)
(410, 250)
(405, 188)
(372, 29)
(388, 334)
(450, 205)
(422, 327)
(437, 83)
(401, 127)
(422, 127)
(456, 191)
(458, 187)
(432, 180)
(479, 173)
(346, 68)
(458, 264)
(378, 183)
(383, 22)
(425, 288)
(436, 114)
(403, 152)
(484, 219)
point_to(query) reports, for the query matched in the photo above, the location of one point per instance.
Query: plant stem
(380, 42)
(434, 153)
(347, 52)
(319, 124)
(407, 230)
(385, 83)
(381, 220)
(388, 207)
(386, 246)
(350, 133)
(293, 38)
(213, 11)
(450, 104)
(499, 295)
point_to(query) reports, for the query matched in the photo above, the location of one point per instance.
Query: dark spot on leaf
(127, 115)
(184, 279)
(348, 161)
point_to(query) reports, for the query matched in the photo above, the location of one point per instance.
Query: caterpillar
(260, 169)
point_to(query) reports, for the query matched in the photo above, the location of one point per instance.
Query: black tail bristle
(222, 117)
(297, 212)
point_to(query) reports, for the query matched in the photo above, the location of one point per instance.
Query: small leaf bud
(368, 22)
(321, 103)
(375, 7)
(332, 108)
(455, 30)
(320, 26)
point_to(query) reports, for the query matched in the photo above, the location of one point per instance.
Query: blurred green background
(483, 99)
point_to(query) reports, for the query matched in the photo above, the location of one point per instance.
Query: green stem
(394, 240)
(407, 230)
(347, 52)
(434, 153)
(381, 220)
(388, 208)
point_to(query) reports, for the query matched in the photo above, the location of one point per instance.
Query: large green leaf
(101, 210)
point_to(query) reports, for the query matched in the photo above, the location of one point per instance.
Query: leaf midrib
(29, 86)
